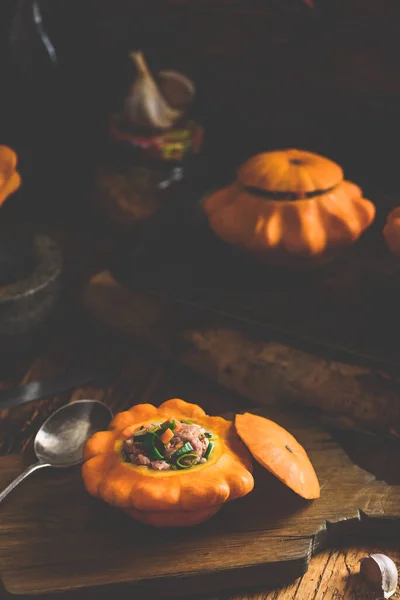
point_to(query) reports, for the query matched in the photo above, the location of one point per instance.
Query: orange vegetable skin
(173, 497)
(10, 179)
(289, 204)
(391, 231)
(279, 452)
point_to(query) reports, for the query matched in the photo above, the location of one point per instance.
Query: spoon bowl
(61, 439)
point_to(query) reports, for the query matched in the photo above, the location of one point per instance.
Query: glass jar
(140, 174)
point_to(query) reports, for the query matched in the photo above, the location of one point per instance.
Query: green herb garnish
(139, 435)
(186, 461)
(167, 425)
(183, 450)
(153, 445)
(155, 428)
(209, 450)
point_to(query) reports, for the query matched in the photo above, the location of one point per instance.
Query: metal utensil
(60, 440)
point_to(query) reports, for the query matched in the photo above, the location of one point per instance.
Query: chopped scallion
(209, 450)
(184, 450)
(154, 446)
(167, 425)
(186, 461)
(155, 429)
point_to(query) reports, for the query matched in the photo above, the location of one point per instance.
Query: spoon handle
(17, 480)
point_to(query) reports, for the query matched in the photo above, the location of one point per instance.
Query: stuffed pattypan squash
(167, 466)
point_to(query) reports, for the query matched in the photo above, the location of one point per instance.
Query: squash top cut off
(278, 451)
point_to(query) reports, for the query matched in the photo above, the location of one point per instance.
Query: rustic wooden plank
(351, 395)
(142, 377)
(266, 538)
(332, 575)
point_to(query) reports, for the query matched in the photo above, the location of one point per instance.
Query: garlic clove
(145, 105)
(177, 89)
(381, 571)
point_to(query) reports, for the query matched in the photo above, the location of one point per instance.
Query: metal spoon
(60, 440)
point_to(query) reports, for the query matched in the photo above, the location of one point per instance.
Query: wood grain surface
(263, 369)
(334, 77)
(26, 529)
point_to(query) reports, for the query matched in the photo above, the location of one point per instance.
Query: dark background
(269, 73)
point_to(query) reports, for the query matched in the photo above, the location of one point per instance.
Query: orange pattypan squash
(289, 207)
(10, 179)
(391, 231)
(167, 497)
(279, 452)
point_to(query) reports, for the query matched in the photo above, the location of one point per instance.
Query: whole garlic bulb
(145, 105)
(381, 571)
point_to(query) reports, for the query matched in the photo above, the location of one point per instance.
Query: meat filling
(169, 445)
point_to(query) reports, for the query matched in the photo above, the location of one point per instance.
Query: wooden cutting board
(54, 537)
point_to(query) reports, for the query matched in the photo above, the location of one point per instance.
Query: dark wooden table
(352, 70)
(144, 377)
